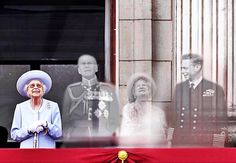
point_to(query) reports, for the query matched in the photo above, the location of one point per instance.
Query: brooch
(48, 106)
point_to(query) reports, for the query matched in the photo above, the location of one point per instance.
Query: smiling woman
(37, 121)
(140, 117)
(35, 89)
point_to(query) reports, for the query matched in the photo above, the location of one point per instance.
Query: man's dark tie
(192, 86)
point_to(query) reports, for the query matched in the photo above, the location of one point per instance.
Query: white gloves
(34, 127)
(43, 123)
(39, 129)
(37, 126)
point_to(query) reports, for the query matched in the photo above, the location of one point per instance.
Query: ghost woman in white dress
(143, 124)
(37, 121)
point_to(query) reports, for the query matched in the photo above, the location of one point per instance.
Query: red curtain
(109, 155)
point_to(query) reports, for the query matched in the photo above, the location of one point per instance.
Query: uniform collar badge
(90, 82)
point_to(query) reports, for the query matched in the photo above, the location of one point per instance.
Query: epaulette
(74, 85)
(106, 84)
(70, 87)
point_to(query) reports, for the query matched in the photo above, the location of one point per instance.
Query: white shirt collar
(195, 82)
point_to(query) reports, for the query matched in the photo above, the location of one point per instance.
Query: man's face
(87, 66)
(190, 70)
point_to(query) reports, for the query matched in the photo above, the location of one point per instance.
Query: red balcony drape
(109, 155)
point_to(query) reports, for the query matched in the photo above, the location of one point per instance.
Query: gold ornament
(122, 155)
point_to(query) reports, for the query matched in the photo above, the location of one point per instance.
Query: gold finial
(122, 155)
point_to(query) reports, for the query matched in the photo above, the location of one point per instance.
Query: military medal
(98, 113)
(106, 113)
(101, 110)
(101, 105)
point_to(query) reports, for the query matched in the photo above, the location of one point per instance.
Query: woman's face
(142, 88)
(35, 89)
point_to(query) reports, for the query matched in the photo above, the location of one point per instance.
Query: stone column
(135, 41)
(162, 46)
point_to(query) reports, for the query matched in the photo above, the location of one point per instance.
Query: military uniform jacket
(90, 111)
(197, 114)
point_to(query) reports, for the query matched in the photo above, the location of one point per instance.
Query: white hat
(33, 75)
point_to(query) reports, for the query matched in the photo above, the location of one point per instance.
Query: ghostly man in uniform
(90, 107)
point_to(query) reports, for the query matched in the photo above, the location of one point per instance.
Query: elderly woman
(37, 121)
(143, 124)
